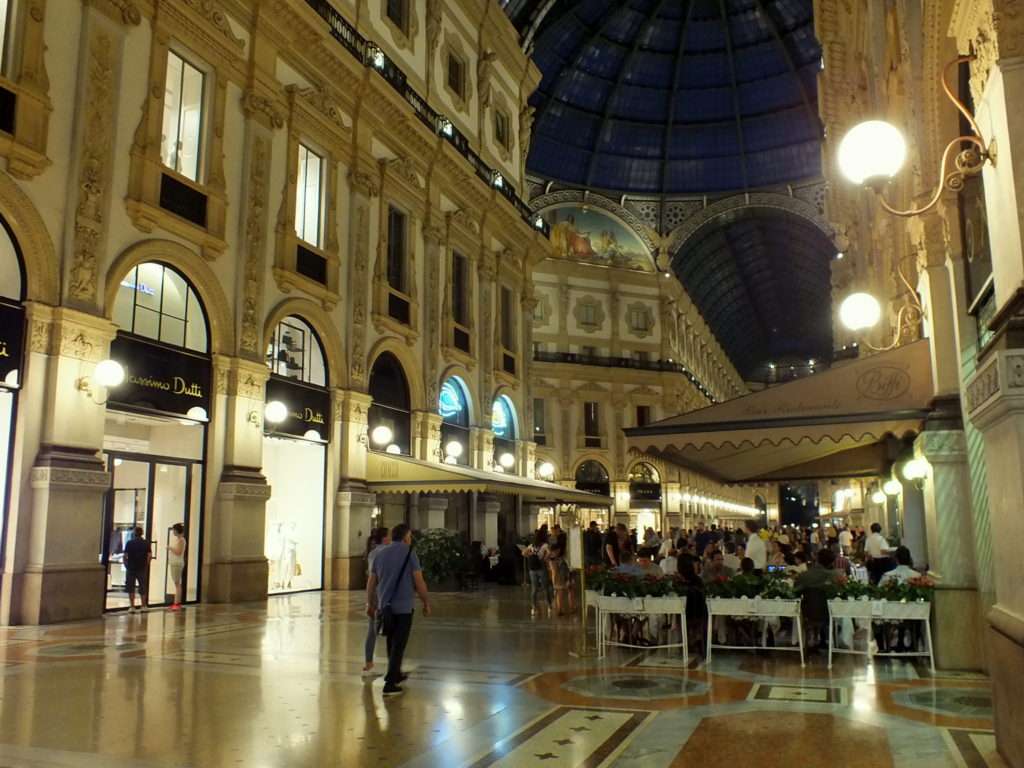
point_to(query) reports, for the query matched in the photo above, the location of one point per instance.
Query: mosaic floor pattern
(279, 685)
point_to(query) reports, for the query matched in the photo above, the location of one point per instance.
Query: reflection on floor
(279, 685)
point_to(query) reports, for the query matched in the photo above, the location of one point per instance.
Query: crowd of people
(813, 559)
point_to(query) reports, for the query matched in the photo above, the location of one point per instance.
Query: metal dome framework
(675, 96)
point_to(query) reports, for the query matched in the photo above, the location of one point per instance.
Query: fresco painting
(585, 234)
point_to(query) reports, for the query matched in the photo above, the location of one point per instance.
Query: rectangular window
(588, 314)
(538, 349)
(507, 321)
(643, 415)
(591, 420)
(588, 351)
(460, 295)
(641, 356)
(457, 75)
(180, 147)
(398, 12)
(396, 248)
(539, 431)
(502, 135)
(638, 320)
(309, 196)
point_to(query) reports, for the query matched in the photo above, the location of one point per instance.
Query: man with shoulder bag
(394, 578)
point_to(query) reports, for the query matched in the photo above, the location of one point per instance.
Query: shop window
(181, 140)
(457, 75)
(539, 429)
(309, 200)
(643, 415)
(591, 425)
(155, 301)
(295, 352)
(398, 12)
(592, 476)
(502, 130)
(503, 423)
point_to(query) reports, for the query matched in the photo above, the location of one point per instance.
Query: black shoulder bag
(385, 616)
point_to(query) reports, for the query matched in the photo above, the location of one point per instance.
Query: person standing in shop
(176, 562)
(395, 577)
(137, 555)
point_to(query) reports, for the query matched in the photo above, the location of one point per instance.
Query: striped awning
(392, 473)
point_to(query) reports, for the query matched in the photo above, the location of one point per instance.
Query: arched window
(644, 482)
(503, 419)
(295, 352)
(592, 476)
(391, 406)
(453, 406)
(12, 272)
(503, 425)
(155, 301)
(12, 322)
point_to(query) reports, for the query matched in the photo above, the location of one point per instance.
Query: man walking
(137, 555)
(395, 576)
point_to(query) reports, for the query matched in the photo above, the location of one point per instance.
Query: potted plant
(442, 557)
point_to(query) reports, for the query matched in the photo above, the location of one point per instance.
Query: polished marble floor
(279, 685)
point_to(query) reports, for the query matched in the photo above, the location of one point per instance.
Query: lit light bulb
(108, 373)
(311, 434)
(392, 449)
(197, 413)
(860, 311)
(892, 487)
(915, 469)
(381, 435)
(546, 469)
(453, 450)
(878, 497)
(872, 152)
(507, 460)
(275, 412)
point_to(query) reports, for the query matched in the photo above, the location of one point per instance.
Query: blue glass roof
(677, 96)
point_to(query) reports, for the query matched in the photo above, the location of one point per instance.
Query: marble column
(950, 534)
(432, 511)
(52, 572)
(235, 568)
(488, 508)
(352, 512)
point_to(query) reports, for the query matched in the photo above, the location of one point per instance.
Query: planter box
(752, 606)
(879, 609)
(665, 605)
(615, 604)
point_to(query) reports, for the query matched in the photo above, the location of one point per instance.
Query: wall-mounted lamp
(874, 151)
(879, 497)
(274, 412)
(393, 449)
(546, 470)
(507, 460)
(381, 436)
(892, 487)
(916, 470)
(106, 374)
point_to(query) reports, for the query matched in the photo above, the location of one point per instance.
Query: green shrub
(441, 553)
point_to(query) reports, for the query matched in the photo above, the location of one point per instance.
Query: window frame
(190, 294)
(202, 151)
(461, 69)
(502, 117)
(321, 194)
(402, 262)
(540, 420)
(402, 23)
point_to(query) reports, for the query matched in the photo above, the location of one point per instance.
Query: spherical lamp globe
(878, 497)
(275, 412)
(381, 435)
(860, 311)
(546, 469)
(872, 152)
(915, 469)
(892, 487)
(507, 460)
(108, 373)
(453, 449)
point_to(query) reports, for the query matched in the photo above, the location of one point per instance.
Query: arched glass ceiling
(674, 96)
(761, 279)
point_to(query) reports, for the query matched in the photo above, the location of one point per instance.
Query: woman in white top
(176, 562)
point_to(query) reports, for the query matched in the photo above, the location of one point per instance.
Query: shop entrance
(153, 493)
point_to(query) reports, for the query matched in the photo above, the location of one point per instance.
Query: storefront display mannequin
(176, 562)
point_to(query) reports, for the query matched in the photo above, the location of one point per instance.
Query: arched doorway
(295, 457)
(12, 346)
(390, 415)
(453, 406)
(155, 429)
(503, 426)
(644, 497)
(592, 476)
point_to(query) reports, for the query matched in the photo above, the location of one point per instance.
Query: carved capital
(364, 183)
(255, 104)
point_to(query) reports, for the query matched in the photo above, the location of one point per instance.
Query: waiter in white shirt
(756, 549)
(846, 541)
(877, 550)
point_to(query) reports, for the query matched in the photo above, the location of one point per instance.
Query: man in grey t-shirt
(394, 578)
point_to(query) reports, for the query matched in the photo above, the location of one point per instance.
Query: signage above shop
(12, 344)
(309, 408)
(160, 378)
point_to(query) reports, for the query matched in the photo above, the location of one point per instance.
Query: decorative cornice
(217, 19)
(254, 103)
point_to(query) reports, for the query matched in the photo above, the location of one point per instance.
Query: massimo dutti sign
(160, 378)
(12, 341)
(309, 407)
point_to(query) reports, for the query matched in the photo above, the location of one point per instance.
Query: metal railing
(371, 55)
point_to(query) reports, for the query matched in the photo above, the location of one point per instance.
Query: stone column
(488, 508)
(235, 568)
(426, 432)
(353, 504)
(52, 569)
(671, 501)
(995, 401)
(950, 531)
(620, 510)
(432, 511)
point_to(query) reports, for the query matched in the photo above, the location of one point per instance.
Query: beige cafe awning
(846, 421)
(392, 473)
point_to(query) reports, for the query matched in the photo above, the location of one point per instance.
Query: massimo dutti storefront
(155, 433)
(296, 434)
(12, 350)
